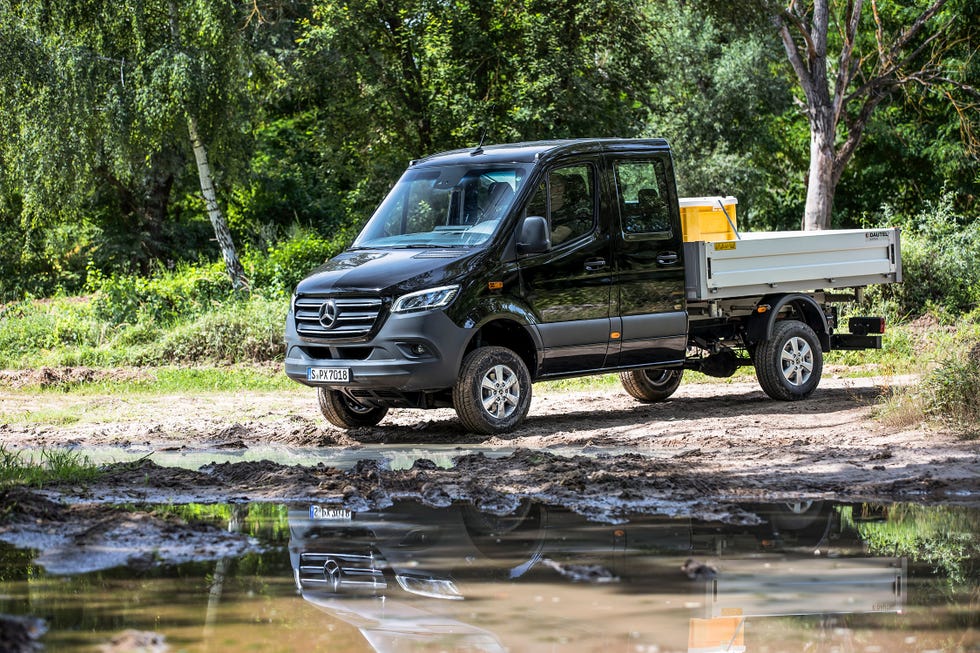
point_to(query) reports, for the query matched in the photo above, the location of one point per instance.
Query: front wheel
(651, 385)
(340, 410)
(790, 363)
(493, 392)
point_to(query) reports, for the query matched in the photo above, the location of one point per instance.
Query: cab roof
(542, 150)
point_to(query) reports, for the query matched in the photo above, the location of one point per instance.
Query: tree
(718, 104)
(877, 54)
(394, 81)
(110, 94)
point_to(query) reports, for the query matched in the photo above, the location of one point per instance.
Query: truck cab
(485, 270)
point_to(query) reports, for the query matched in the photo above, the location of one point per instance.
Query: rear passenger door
(648, 303)
(568, 287)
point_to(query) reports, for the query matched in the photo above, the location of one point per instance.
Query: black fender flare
(505, 309)
(760, 324)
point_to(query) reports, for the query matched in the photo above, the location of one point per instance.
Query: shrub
(243, 330)
(951, 391)
(940, 262)
(282, 266)
(948, 392)
(164, 297)
(32, 326)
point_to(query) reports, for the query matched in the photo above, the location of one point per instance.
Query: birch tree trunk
(221, 231)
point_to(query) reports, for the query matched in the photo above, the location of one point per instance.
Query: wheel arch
(508, 332)
(760, 325)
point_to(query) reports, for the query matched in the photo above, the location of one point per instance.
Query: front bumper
(414, 352)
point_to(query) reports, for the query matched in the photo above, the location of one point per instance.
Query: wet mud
(600, 454)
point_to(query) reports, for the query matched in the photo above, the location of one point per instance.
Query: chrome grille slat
(355, 317)
(353, 571)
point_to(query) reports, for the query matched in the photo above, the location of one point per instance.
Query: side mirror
(535, 237)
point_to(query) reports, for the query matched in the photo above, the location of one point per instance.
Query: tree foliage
(849, 59)
(100, 96)
(392, 81)
(308, 111)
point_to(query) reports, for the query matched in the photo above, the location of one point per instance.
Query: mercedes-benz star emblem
(332, 573)
(328, 314)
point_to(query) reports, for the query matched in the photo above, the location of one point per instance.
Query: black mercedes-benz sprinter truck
(488, 269)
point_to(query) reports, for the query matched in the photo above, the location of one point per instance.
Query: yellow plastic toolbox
(702, 218)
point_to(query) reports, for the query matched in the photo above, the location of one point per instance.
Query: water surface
(809, 576)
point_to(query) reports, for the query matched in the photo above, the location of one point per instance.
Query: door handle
(667, 258)
(594, 264)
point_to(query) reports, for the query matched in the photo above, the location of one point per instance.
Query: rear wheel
(340, 410)
(651, 385)
(493, 392)
(790, 363)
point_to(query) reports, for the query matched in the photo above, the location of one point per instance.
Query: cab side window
(642, 190)
(567, 200)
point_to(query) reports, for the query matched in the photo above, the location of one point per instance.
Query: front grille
(338, 572)
(351, 317)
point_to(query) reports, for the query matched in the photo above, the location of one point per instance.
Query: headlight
(436, 588)
(425, 300)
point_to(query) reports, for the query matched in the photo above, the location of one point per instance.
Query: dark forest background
(307, 112)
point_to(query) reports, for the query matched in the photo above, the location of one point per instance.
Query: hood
(388, 271)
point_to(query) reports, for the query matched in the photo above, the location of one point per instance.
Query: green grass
(948, 358)
(52, 416)
(171, 380)
(581, 383)
(183, 380)
(45, 468)
(941, 536)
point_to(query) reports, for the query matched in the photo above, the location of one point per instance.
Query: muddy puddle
(803, 576)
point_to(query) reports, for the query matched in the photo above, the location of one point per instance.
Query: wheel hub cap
(796, 361)
(500, 392)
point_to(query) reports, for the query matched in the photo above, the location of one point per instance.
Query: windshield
(446, 206)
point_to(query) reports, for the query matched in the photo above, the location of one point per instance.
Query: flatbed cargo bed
(791, 261)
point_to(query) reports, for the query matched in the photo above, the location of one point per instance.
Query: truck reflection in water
(413, 577)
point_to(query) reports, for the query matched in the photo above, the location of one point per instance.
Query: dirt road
(599, 452)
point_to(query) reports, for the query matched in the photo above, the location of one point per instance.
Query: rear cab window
(641, 190)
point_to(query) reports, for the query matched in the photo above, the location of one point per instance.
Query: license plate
(328, 374)
(330, 513)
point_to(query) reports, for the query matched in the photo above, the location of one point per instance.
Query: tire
(790, 363)
(651, 385)
(518, 537)
(797, 515)
(493, 391)
(340, 410)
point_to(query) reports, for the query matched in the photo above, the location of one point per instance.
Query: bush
(282, 266)
(165, 297)
(951, 391)
(940, 263)
(948, 392)
(187, 315)
(30, 327)
(244, 330)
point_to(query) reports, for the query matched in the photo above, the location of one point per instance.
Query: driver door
(568, 287)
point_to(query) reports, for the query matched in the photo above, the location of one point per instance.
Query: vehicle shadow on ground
(601, 414)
